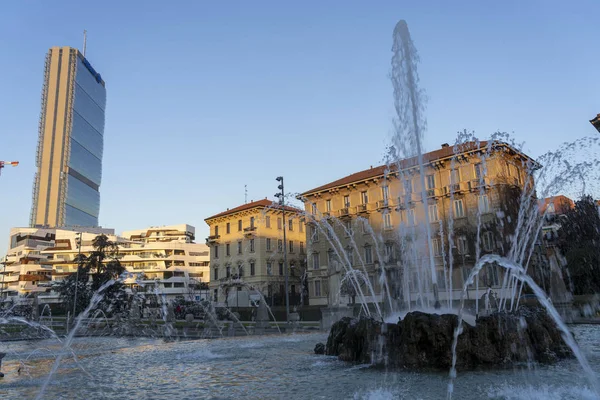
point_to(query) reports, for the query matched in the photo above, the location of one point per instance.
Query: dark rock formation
(424, 341)
(320, 348)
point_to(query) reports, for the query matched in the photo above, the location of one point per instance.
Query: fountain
(503, 334)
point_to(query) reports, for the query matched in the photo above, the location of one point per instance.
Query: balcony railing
(212, 238)
(361, 208)
(250, 229)
(453, 188)
(477, 184)
(344, 212)
(384, 203)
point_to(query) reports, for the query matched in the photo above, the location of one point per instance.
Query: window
(216, 230)
(466, 271)
(216, 251)
(347, 201)
(350, 255)
(328, 205)
(314, 234)
(280, 267)
(478, 171)
(227, 250)
(239, 246)
(364, 228)
(488, 241)
(430, 182)
(280, 246)
(387, 220)
(461, 245)
(389, 251)
(484, 203)
(228, 228)
(227, 272)
(315, 260)
(436, 246)
(410, 217)
(433, 213)
(408, 186)
(459, 210)
(348, 227)
(301, 247)
(314, 208)
(454, 176)
(291, 246)
(364, 197)
(269, 269)
(252, 245)
(251, 222)
(268, 221)
(368, 255)
(331, 258)
(268, 244)
(441, 279)
(492, 275)
(291, 224)
(279, 223)
(239, 225)
(385, 191)
(317, 288)
(300, 226)
(216, 273)
(240, 272)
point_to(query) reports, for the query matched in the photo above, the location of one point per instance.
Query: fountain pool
(263, 367)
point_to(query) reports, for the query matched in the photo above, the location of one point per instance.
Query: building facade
(376, 221)
(66, 190)
(163, 261)
(247, 253)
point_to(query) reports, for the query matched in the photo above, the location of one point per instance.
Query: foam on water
(378, 394)
(543, 392)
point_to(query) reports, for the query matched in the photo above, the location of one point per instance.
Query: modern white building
(164, 260)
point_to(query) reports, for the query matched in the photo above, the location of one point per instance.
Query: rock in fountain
(423, 341)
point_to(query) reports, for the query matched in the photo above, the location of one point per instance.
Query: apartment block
(381, 215)
(247, 251)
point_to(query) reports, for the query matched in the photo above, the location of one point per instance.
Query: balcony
(212, 239)
(362, 208)
(383, 204)
(344, 212)
(453, 188)
(478, 184)
(250, 231)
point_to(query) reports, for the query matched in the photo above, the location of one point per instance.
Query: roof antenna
(84, 42)
(245, 194)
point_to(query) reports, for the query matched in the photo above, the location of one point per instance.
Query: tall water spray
(410, 123)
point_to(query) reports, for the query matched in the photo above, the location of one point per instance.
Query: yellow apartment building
(246, 253)
(379, 216)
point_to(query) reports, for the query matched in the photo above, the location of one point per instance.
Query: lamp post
(281, 197)
(78, 242)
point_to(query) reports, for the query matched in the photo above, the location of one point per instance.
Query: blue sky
(206, 97)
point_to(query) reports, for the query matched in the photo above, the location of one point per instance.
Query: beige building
(379, 216)
(163, 260)
(246, 253)
(69, 153)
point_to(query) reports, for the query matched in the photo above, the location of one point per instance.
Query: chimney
(444, 145)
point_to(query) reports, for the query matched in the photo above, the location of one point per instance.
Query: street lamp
(78, 243)
(281, 197)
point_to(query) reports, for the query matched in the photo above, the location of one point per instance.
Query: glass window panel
(85, 163)
(82, 197)
(88, 82)
(87, 136)
(75, 217)
(88, 109)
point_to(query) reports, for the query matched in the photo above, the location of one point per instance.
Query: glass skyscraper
(66, 190)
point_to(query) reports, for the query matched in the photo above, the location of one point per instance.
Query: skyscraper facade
(70, 144)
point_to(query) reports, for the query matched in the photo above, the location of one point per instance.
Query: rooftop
(264, 203)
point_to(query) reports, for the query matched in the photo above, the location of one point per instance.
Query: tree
(95, 270)
(579, 241)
